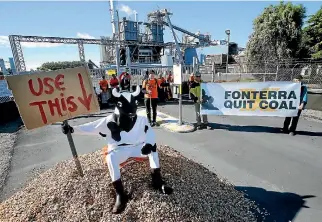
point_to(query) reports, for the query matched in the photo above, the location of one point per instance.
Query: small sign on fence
(49, 97)
(251, 99)
(111, 72)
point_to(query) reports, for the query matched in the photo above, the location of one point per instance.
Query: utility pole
(228, 39)
(180, 62)
(116, 36)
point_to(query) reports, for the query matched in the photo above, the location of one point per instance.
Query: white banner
(251, 99)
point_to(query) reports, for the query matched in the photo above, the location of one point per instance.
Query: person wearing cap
(195, 91)
(125, 80)
(290, 123)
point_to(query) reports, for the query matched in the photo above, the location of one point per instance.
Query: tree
(312, 35)
(59, 65)
(276, 34)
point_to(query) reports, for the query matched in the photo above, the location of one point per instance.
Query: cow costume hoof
(158, 184)
(121, 197)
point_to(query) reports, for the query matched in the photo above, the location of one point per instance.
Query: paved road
(247, 151)
(277, 170)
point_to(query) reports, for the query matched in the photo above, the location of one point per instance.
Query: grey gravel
(312, 115)
(8, 136)
(6, 148)
(59, 194)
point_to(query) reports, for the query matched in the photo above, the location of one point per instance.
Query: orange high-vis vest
(104, 84)
(161, 80)
(114, 82)
(152, 85)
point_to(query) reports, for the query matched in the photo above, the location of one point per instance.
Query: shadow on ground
(279, 207)
(259, 129)
(175, 102)
(11, 127)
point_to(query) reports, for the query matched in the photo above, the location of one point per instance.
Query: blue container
(189, 53)
(130, 32)
(156, 33)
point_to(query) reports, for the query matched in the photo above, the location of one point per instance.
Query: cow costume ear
(137, 91)
(116, 93)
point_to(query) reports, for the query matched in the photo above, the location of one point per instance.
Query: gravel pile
(60, 195)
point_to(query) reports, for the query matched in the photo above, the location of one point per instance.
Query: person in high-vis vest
(190, 81)
(195, 91)
(150, 90)
(103, 84)
(161, 90)
(114, 82)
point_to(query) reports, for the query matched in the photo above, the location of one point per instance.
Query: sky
(90, 19)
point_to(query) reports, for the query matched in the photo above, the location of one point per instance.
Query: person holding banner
(291, 127)
(195, 91)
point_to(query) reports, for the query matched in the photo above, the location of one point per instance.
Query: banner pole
(73, 149)
(180, 106)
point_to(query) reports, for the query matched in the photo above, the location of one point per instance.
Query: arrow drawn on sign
(86, 100)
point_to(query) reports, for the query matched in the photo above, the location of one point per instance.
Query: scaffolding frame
(17, 51)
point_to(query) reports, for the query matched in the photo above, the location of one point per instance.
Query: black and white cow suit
(127, 135)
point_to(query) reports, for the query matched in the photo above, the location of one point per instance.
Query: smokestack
(136, 16)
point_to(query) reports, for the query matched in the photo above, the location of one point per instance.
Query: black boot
(121, 197)
(158, 183)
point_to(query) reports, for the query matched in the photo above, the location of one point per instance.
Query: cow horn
(137, 91)
(116, 93)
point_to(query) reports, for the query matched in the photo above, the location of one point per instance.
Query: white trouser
(121, 154)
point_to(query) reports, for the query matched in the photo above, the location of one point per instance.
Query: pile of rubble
(60, 194)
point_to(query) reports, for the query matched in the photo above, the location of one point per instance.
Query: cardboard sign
(50, 97)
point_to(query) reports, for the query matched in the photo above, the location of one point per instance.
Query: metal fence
(239, 72)
(138, 73)
(268, 71)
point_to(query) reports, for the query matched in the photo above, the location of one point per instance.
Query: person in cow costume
(128, 135)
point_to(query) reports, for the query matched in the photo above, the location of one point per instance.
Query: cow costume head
(126, 102)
